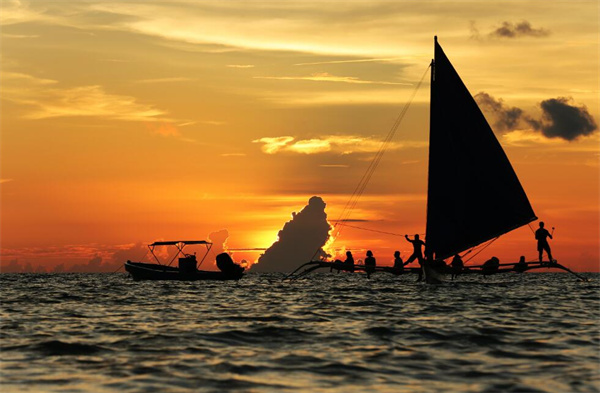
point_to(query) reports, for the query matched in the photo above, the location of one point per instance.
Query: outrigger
(485, 270)
(473, 193)
(187, 269)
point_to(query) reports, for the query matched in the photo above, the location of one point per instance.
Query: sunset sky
(127, 122)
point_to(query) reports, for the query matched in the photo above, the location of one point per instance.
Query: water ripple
(326, 333)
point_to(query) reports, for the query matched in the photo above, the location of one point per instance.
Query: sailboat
(473, 193)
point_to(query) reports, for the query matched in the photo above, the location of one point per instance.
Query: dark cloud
(13, 266)
(505, 118)
(521, 29)
(562, 119)
(94, 265)
(306, 233)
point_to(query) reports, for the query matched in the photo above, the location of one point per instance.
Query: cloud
(164, 129)
(48, 100)
(19, 36)
(5, 180)
(93, 101)
(506, 118)
(561, 119)
(521, 29)
(274, 145)
(526, 138)
(349, 61)
(94, 265)
(164, 80)
(16, 11)
(341, 144)
(219, 241)
(300, 239)
(240, 65)
(326, 77)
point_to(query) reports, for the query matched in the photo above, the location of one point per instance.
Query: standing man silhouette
(417, 251)
(541, 236)
(417, 254)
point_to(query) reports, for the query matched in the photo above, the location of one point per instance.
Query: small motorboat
(187, 269)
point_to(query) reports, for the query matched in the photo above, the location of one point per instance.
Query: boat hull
(151, 271)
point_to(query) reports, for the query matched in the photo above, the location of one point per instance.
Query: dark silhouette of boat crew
(417, 253)
(542, 236)
(490, 266)
(457, 265)
(417, 250)
(398, 263)
(347, 265)
(370, 264)
(349, 262)
(521, 266)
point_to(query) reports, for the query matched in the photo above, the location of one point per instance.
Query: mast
(473, 193)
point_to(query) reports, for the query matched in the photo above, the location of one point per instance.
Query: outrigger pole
(314, 265)
(514, 267)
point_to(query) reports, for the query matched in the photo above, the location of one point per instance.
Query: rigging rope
(375, 230)
(366, 177)
(482, 248)
(364, 181)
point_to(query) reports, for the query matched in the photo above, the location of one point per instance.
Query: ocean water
(326, 333)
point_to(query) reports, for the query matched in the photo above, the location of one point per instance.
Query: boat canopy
(175, 242)
(474, 194)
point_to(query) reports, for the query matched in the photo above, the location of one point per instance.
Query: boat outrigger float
(188, 265)
(473, 194)
(517, 267)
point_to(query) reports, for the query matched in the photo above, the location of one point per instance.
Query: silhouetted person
(398, 264)
(417, 253)
(370, 264)
(521, 266)
(542, 236)
(347, 265)
(349, 262)
(457, 265)
(491, 266)
(417, 249)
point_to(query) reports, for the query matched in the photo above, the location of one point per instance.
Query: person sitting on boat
(370, 264)
(542, 236)
(417, 250)
(349, 262)
(521, 266)
(491, 266)
(457, 265)
(399, 264)
(347, 265)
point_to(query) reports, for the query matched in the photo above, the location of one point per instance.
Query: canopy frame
(180, 245)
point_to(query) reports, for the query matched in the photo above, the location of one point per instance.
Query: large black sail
(474, 194)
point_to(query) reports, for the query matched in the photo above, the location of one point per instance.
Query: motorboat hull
(152, 271)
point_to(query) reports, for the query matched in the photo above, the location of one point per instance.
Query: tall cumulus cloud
(299, 239)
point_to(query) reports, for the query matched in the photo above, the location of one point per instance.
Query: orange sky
(123, 123)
